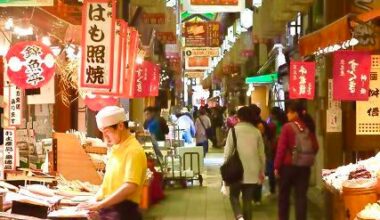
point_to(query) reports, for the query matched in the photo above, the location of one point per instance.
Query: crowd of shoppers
(273, 147)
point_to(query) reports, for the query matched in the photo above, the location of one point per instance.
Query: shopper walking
(250, 148)
(120, 193)
(261, 125)
(186, 125)
(296, 150)
(202, 130)
(275, 122)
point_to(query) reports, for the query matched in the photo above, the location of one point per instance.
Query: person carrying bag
(244, 163)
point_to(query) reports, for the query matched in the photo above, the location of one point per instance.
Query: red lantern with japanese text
(30, 64)
(97, 102)
(351, 72)
(302, 80)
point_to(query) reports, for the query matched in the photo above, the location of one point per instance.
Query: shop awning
(262, 79)
(334, 33)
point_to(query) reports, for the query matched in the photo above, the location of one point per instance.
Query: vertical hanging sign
(15, 105)
(98, 33)
(351, 75)
(132, 49)
(302, 80)
(368, 112)
(9, 149)
(118, 76)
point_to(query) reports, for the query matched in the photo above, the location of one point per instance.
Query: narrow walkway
(207, 203)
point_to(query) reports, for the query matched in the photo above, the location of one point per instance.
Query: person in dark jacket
(292, 176)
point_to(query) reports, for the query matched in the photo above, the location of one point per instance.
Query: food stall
(357, 185)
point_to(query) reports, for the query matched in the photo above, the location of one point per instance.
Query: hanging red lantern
(31, 64)
(97, 102)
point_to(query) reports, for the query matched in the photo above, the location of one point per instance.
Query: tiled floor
(207, 203)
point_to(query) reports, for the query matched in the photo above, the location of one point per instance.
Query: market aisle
(207, 203)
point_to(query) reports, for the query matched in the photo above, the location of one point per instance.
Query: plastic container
(355, 200)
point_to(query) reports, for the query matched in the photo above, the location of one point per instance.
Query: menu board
(202, 34)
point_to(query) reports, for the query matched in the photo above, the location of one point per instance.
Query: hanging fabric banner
(15, 105)
(147, 80)
(368, 112)
(98, 33)
(351, 75)
(155, 81)
(132, 49)
(302, 80)
(9, 149)
(118, 74)
(30, 64)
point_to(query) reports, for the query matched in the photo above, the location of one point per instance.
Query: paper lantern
(30, 64)
(97, 102)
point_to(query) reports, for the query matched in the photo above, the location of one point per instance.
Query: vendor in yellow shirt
(120, 192)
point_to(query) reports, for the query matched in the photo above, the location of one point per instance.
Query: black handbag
(232, 169)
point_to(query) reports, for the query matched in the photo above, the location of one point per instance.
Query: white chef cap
(109, 116)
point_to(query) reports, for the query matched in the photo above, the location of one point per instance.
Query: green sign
(26, 3)
(262, 79)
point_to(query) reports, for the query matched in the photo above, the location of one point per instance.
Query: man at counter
(120, 192)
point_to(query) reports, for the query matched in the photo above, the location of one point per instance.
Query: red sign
(202, 34)
(132, 45)
(214, 2)
(98, 34)
(302, 80)
(166, 37)
(154, 18)
(351, 74)
(97, 102)
(30, 64)
(147, 80)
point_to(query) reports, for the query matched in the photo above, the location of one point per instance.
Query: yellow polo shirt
(127, 163)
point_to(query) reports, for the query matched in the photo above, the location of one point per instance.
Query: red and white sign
(97, 102)
(197, 63)
(132, 45)
(147, 80)
(15, 105)
(302, 80)
(98, 33)
(30, 64)
(9, 149)
(351, 72)
(118, 64)
(154, 18)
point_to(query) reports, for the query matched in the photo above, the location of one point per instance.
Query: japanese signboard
(98, 33)
(132, 50)
(213, 6)
(194, 74)
(154, 18)
(118, 62)
(334, 111)
(9, 149)
(30, 64)
(202, 51)
(202, 34)
(28, 3)
(331, 102)
(351, 75)
(197, 63)
(15, 105)
(302, 80)
(146, 80)
(368, 112)
(166, 37)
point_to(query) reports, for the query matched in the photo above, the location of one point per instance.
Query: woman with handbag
(245, 140)
(202, 130)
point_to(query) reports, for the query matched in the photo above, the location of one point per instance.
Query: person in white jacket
(250, 148)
